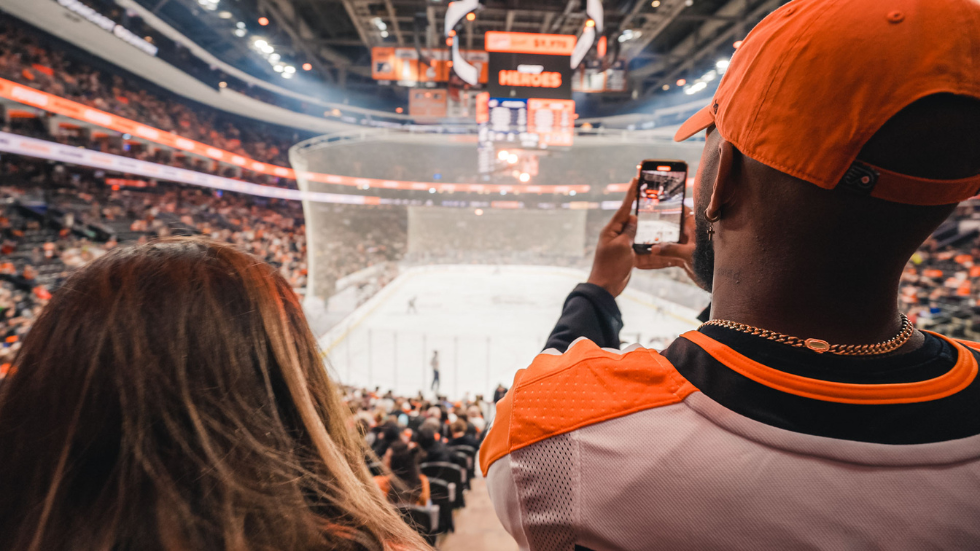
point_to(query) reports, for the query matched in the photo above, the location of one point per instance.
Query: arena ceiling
(669, 38)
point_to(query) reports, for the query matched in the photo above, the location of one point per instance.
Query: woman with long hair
(405, 485)
(171, 397)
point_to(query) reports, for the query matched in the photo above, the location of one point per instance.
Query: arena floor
(486, 322)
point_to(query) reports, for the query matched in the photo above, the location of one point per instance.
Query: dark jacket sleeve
(590, 312)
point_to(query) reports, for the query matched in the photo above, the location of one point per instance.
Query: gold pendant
(817, 345)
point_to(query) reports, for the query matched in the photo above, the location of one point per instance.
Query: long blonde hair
(172, 397)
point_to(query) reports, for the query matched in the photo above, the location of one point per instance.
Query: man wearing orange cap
(807, 413)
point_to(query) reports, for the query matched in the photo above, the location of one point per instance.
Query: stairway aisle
(477, 527)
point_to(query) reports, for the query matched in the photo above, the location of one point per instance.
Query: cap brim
(698, 122)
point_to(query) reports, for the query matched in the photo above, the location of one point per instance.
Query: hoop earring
(711, 227)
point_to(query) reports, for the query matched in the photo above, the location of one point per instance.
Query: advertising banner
(404, 66)
(427, 103)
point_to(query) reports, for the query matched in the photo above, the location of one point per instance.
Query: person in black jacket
(434, 449)
(464, 434)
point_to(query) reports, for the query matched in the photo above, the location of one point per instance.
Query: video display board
(529, 65)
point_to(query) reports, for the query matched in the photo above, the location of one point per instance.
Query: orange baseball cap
(816, 79)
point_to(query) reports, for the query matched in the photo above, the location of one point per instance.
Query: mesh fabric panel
(547, 485)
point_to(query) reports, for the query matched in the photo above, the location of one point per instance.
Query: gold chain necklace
(821, 346)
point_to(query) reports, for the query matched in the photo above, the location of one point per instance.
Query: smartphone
(660, 203)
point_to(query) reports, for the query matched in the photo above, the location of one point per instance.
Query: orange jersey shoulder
(584, 386)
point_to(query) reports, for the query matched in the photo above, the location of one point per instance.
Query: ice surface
(486, 322)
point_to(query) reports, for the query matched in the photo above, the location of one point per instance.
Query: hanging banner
(427, 103)
(403, 65)
(592, 79)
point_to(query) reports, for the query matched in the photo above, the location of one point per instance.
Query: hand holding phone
(660, 196)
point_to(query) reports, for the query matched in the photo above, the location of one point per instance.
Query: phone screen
(660, 202)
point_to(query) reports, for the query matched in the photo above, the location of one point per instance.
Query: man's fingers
(629, 229)
(623, 213)
(673, 250)
(655, 262)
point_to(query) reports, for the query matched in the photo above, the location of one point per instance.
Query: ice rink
(486, 322)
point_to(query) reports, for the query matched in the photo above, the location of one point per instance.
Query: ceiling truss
(657, 54)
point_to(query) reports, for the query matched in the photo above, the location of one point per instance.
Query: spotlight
(263, 21)
(512, 159)
(478, 212)
(695, 88)
(524, 177)
(307, 66)
(502, 155)
(665, 87)
(222, 84)
(590, 23)
(240, 33)
(655, 3)
(681, 82)
(399, 110)
(470, 17)
(736, 44)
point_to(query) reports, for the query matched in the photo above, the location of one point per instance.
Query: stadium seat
(468, 450)
(465, 462)
(471, 453)
(443, 495)
(449, 473)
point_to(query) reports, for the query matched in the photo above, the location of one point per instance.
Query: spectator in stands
(499, 393)
(464, 434)
(433, 448)
(389, 434)
(808, 412)
(475, 414)
(176, 399)
(405, 485)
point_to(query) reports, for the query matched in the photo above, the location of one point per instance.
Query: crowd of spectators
(941, 283)
(409, 435)
(28, 58)
(54, 220)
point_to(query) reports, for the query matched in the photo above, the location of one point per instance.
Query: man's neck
(834, 307)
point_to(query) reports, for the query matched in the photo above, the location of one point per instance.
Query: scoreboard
(529, 100)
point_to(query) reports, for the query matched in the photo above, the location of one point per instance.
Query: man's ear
(723, 190)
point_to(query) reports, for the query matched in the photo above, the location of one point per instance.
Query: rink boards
(486, 322)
